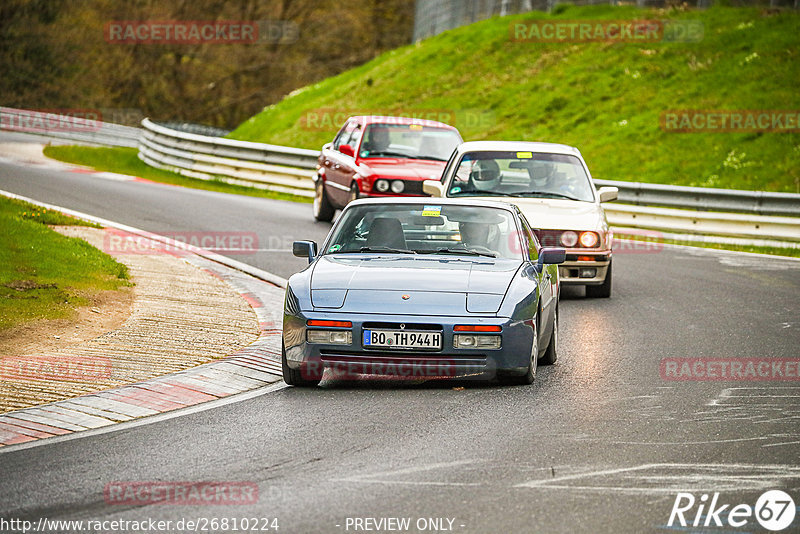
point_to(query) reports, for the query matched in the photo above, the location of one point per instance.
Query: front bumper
(312, 359)
(570, 272)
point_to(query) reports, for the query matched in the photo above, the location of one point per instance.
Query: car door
(547, 283)
(340, 167)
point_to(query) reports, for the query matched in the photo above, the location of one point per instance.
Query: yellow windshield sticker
(414, 126)
(432, 211)
(524, 155)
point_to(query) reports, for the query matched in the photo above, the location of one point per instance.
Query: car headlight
(470, 341)
(382, 185)
(589, 239)
(476, 339)
(398, 186)
(569, 238)
(330, 337)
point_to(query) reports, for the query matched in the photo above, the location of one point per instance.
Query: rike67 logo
(774, 510)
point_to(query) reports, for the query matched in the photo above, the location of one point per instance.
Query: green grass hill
(607, 98)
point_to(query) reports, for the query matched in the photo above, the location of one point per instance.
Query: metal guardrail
(278, 168)
(708, 199)
(287, 169)
(81, 129)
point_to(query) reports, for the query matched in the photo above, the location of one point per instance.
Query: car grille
(408, 326)
(549, 238)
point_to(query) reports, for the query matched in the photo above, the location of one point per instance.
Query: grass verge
(43, 274)
(124, 160)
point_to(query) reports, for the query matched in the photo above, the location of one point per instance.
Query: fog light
(569, 238)
(464, 341)
(588, 272)
(382, 186)
(331, 337)
(398, 186)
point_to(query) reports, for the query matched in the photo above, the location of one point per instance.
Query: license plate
(403, 339)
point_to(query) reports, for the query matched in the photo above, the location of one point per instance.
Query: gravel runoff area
(187, 311)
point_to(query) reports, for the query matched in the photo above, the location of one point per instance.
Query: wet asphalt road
(601, 443)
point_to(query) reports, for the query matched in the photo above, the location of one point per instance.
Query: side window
(354, 138)
(344, 135)
(530, 238)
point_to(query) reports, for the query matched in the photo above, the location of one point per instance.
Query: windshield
(427, 229)
(521, 174)
(408, 141)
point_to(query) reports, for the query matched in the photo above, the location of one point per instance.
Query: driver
(545, 177)
(377, 140)
(474, 234)
(485, 175)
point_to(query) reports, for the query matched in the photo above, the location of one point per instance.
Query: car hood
(559, 214)
(414, 169)
(433, 285)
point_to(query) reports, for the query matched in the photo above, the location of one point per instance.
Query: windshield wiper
(387, 249)
(542, 193)
(463, 251)
(391, 154)
(472, 192)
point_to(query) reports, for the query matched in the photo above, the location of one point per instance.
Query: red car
(380, 157)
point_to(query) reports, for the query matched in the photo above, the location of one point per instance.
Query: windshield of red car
(521, 174)
(413, 141)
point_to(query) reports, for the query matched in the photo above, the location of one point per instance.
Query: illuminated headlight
(330, 337)
(382, 185)
(588, 239)
(398, 186)
(569, 238)
(473, 341)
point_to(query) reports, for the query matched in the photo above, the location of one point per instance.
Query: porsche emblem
(406, 297)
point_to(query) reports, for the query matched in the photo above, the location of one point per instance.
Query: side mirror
(607, 194)
(347, 150)
(433, 187)
(551, 256)
(305, 249)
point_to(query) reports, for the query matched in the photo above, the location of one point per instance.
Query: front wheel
(551, 354)
(603, 291)
(323, 210)
(294, 377)
(530, 376)
(354, 193)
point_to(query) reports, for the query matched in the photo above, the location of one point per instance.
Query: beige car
(552, 186)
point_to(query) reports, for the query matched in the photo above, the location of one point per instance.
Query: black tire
(354, 193)
(323, 210)
(603, 291)
(294, 377)
(551, 354)
(530, 376)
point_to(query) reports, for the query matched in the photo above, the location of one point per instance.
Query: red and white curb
(252, 367)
